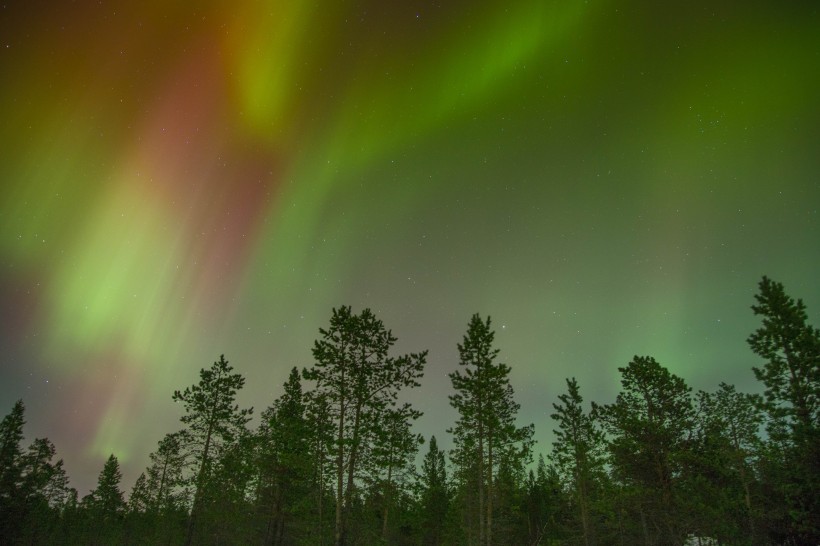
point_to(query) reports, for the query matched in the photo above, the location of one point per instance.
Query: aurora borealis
(185, 179)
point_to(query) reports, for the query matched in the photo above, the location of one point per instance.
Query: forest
(335, 460)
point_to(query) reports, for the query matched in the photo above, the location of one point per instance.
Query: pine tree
(577, 451)
(285, 463)
(485, 432)
(11, 461)
(547, 505)
(393, 457)
(727, 448)
(165, 475)
(649, 424)
(435, 497)
(791, 376)
(213, 422)
(43, 491)
(358, 380)
(159, 497)
(321, 434)
(791, 348)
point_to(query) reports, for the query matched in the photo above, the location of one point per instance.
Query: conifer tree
(577, 452)
(43, 490)
(359, 381)
(285, 462)
(105, 504)
(435, 497)
(392, 456)
(159, 496)
(485, 432)
(214, 422)
(107, 498)
(727, 452)
(165, 475)
(649, 424)
(321, 434)
(790, 347)
(547, 505)
(11, 434)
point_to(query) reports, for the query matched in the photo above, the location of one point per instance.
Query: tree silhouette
(285, 463)
(791, 376)
(648, 425)
(213, 422)
(655, 467)
(577, 452)
(359, 381)
(394, 450)
(11, 434)
(105, 504)
(485, 431)
(435, 497)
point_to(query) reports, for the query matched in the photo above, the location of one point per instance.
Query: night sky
(184, 179)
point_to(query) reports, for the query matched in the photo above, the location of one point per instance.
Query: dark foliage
(334, 460)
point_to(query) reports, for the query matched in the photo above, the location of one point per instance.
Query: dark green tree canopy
(107, 499)
(334, 458)
(359, 383)
(214, 423)
(210, 406)
(791, 348)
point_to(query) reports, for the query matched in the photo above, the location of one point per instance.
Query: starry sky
(183, 179)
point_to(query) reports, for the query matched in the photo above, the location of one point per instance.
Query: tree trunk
(643, 527)
(200, 482)
(489, 488)
(480, 483)
(351, 468)
(747, 497)
(582, 501)
(321, 480)
(340, 475)
(162, 483)
(387, 495)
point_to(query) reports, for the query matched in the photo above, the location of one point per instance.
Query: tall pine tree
(485, 432)
(359, 381)
(214, 422)
(578, 453)
(649, 424)
(790, 347)
(11, 468)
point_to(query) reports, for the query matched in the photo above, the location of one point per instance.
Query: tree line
(333, 460)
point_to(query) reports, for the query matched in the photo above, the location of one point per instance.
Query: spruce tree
(105, 504)
(107, 498)
(435, 497)
(285, 463)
